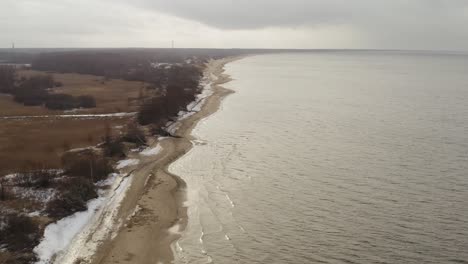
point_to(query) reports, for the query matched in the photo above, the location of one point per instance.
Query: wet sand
(154, 202)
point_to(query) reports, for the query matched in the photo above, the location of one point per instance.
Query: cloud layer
(396, 24)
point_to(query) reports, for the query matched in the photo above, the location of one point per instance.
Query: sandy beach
(154, 201)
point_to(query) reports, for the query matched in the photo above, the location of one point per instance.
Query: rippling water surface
(339, 157)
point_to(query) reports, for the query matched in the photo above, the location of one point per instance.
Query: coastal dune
(154, 201)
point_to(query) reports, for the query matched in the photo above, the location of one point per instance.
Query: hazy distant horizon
(259, 49)
(294, 24)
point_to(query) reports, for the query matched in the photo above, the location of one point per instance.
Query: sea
(332, 157)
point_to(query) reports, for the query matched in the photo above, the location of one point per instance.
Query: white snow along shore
(78, 236)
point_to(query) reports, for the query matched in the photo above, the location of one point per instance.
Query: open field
(40, 142)
(111, 95)
(8, 107)
(32, 142)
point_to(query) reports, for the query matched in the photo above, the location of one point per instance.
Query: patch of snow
(108, 181)
(39, 195)
(79, 149)
(5, 211)
(152, 151)
(3, 225)
(128, 162)
(101, 227)
(172, 128)
(74, 110)
(10, 176)
(147, 180)
(125, 114)
(135, 212)
(175, 229)
(34, 214)
(161, 65)
(191, 105)
(58, 236)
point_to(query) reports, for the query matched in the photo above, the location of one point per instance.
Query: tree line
(177, 84)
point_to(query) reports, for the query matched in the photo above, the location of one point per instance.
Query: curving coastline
(154, 201)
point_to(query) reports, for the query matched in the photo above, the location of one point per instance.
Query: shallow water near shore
(338, 157)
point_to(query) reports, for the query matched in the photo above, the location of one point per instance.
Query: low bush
(134, 135)
(5, 193)
(7, 78)
(86, 101)
(87, 165)
(61, 102)
(35, 178)
(29, 97)
(19, 232)
(152, 112)
(66, 101)
(74, 194)
(114, 148)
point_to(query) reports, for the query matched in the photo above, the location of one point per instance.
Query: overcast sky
(380, 24)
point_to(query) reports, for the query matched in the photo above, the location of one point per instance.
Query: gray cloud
(405, 24)
(248, 14)
(425, 24)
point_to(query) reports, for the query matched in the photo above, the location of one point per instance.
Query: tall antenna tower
(13, 55)
(172, 43)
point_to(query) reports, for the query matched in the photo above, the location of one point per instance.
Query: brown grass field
(27, 144)
(112, 96)
(32, 142)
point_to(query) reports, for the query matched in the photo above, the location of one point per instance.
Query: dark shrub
(67, 102)
(134, 135)
(19, 233)
(114, 148)
(29, 97)
(61, 102)
(152, 112)
(44, 178)
(36, 179)
(86, 101)
(7, 79)
(33, 91)
(87, 165)
(38, 82)
(24, 179)
(75, 193)
(5, 193)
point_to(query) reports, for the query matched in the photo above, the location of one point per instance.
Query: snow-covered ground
(39, 195)
(151, 151)
(82, 116)
(58, 236)
(126, 163)
(77, 236)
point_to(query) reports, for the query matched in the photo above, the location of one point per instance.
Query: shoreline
(154, 202)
